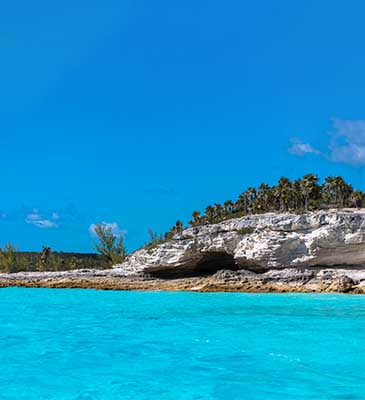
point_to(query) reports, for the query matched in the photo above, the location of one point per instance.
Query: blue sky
(136, 113)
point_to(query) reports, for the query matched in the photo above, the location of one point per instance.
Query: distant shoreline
(222, 281)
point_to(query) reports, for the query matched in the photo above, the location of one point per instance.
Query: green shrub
(155, 240)
(109, 245)
(8, 258)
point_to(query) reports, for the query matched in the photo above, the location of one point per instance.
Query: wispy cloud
(347, 142)
(116, 230)
(37, 219)
(301, 149)
(55, 215)
(43, 218)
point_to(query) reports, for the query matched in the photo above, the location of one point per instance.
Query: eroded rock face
(305, 280)
(273, 241)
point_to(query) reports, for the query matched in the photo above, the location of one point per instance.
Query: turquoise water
(86, 344)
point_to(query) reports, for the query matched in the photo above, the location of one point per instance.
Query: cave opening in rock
(213, 262)
(209, 264)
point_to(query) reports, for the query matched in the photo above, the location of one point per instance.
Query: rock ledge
(259, 243)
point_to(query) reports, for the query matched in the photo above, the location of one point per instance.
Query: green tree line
(110, 251)
(13, 260)
(297, 196)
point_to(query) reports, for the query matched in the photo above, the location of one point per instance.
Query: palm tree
(218, 212)
(264, 197)
(175, 230)
(209, 213)
(228, 206)
(310, 190)
(196, 218)
(337, 191)
(284, 193)
(302, 194)
(179, 226)
(246, 199)
(357, 199)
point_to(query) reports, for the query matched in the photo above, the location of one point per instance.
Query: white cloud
(43, 223)
(55, 216)
(347, 142)
(34, 215)
(49, 218)
(36, 219)
(300, 149)
(114, 227)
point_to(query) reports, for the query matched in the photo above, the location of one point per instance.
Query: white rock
(323, 238)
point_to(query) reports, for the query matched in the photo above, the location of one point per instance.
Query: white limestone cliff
(260, 243)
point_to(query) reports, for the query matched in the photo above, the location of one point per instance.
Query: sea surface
(86, 345)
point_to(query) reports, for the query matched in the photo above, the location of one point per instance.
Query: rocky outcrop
(259, 243)
(275, 280)
(315, 252)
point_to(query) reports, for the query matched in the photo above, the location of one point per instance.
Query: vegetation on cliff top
(298, 196)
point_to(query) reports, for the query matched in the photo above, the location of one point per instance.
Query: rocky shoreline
(336, 280)
(321, 251)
